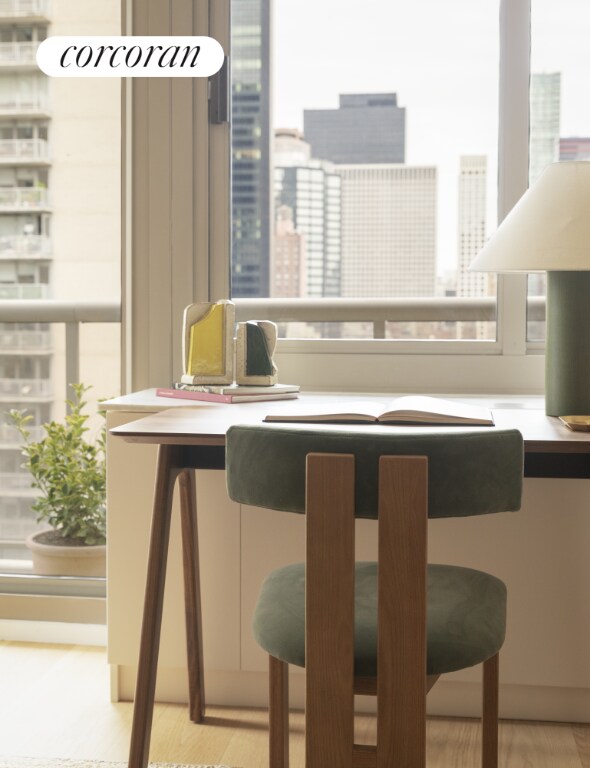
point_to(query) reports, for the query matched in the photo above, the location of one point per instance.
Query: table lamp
(549, 230)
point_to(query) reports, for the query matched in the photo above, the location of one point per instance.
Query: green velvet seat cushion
(466, 617)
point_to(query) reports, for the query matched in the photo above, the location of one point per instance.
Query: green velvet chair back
(470, 472)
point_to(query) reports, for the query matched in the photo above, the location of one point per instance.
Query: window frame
(508, 365)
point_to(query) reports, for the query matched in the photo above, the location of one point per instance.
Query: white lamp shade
(549, 227)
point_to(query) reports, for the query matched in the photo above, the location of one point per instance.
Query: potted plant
(69, 471)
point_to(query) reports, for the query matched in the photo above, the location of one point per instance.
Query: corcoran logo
(129, 56)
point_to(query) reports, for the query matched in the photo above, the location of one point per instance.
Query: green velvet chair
(390, 628)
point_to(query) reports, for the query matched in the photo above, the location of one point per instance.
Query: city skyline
(398, 55)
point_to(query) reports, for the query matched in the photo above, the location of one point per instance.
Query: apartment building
(26, 349)
(59, 229)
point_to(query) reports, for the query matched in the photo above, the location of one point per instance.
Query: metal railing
(20, 388)
(12, 150)
(25, 245)
(71, 313)
(17, 104)
(379, 311)
(9, 435)
(376, 311)
(16, 291)
(23, 198)
(17, 9)
(25, 340)
(17, 521)
(14, 481)
(13, 54)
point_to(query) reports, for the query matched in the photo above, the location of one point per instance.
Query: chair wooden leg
(278, 712)
(489, 746)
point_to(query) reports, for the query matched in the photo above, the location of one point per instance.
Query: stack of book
(229, 393)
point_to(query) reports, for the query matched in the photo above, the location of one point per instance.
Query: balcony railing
(15, 291)
(23, 9)
(378, 311)
(18, 54)
(20, 104)
(26, 150)
(25, 388)
(19, 246)
(25, 340)
(15, 488)
(69, 313)
(14, 481)
(10, 435)
(23, 199)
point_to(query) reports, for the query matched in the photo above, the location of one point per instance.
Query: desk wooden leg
(192, 594)
(143, 709)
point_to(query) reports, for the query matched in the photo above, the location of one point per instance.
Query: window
(376, 158)
(59, 236)
(200, 266)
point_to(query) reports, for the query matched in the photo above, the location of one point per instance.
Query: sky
(441, 58)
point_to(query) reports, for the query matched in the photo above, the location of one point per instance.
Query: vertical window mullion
(167, 202)
(513, 152)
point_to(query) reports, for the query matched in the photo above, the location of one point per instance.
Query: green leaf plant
(69, 471)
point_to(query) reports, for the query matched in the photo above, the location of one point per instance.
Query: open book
(411, 409)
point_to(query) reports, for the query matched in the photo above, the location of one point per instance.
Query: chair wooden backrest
(403, 514)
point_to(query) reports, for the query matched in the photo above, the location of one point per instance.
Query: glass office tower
(251, 148)
(311, 190)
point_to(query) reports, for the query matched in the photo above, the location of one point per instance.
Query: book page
(342, 411)
(434, 410)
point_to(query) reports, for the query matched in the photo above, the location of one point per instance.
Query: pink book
(183, 394)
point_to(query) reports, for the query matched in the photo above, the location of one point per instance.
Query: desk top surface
(207, 423)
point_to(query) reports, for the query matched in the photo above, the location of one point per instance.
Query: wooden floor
(54, 702)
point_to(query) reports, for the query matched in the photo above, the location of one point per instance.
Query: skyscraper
(472, 216)
(388, 230)
(471, 224)
(311, 189)
(366, 128)
(251, 148)
(288, 268)
(545, 98)
(545, 95)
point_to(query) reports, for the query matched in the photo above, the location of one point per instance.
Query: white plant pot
(52, 560)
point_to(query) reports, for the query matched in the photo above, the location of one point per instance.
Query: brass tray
(576, 423)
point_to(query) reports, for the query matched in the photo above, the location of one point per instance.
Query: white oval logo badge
(129, 56)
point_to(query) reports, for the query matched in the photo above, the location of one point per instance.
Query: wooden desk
(194, 437)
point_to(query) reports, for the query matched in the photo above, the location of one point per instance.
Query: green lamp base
(567, 355)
